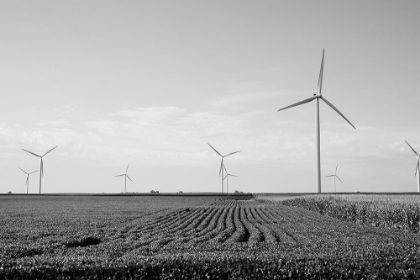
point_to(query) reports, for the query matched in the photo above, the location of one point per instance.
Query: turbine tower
(335, 176)
(317, 97)
(41, 168)
(27, 178)
(227, 179)
(417, 166)
(221, 165)
(125, 179)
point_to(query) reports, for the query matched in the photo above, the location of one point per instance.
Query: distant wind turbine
(335, 176)
(27, 178)
(125, 179)
(317, 97)
(227, 179)
(417, 166)
(41, 168)
(221, 165)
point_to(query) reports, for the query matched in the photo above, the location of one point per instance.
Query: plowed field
(193, 237)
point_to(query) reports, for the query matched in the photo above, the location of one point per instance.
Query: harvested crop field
(192, 237)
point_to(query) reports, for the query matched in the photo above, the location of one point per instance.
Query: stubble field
(192, 237)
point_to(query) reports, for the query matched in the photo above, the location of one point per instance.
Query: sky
(150, 83)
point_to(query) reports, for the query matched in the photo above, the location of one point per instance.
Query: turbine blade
(231, 154)
(336, 169)
(215, 150)
(127, 169)
(329, 176)
(31, 153)
(339, 179)
(298, 103)
(321, 73)
(42, 167)
(50, 150)
(221, 166)
(120, 175)
(417, 167)
(27, 180)
(224, 167)
(335, 109)
(225, 177)
(129, 178)
(23, 170)
(33, 172)
(233, 175)
(411, 148)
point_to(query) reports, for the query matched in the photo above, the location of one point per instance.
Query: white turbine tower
(221, 165)
(125, 179)
(41, 168)
(227, 179)
(335, 176)
(417, 173)
(27, 178)
(317, 97)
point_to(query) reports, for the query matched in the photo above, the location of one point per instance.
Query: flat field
(192, 237)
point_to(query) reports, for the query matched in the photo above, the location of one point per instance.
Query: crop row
(405, 216)
(214, 240)
(238, 266)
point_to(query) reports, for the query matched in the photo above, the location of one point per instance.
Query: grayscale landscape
(209, 139)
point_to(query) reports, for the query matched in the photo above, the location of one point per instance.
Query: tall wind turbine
(335, 176)
(417, 166)
(27, 178)
(221, 165)
(227, 179)
(125, 179)
(317, 97)
(41, 168)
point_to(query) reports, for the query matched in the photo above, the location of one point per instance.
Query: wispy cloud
(150, 115)
(174, 135)
(54, 123)
(345, 125)
(65, 111)
(246, 98)
(399, 147)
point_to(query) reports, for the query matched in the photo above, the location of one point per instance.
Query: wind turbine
(227, 179)
(125, 179)
(317, 97)
(27, 178)
(335, 176)
(221, 165)
(417, 167)
(41, 168)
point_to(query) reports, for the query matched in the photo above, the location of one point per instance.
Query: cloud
(246, 98)
(345, 125)
(54, 122)
(173, 135)
(66, 111)
(399, 148)
(150, 115)
(71, 142)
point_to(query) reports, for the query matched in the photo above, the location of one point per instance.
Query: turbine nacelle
(222, 166)
(125, 178)
(41, 168)
(318, 96)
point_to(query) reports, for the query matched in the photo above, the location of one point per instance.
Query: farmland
(192, 237)
(400, 211)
